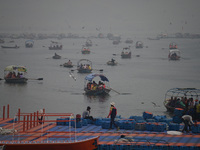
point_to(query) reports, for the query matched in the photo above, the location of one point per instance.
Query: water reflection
(100, 98)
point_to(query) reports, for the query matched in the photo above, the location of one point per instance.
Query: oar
(35, 79)
(1, 79)
(98, 69)
(114, 90)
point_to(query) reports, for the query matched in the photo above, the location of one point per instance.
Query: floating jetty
(139, 132)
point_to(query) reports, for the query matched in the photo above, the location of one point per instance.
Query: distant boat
(112, 62)
(84, 66)
(88, 43)
(55, 46)
(129, 41)
(174, 54)
(29, 43)
(68, 64)
(173, 45)
(116, 42)
(11, 47)
(126, 52)
(56, 56)
(139, 44)
(85, 50)
(2, 41)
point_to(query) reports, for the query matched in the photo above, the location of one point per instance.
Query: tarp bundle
(93, 75)
(15, 68)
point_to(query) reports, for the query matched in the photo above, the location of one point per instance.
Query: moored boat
(178, 97)
(84, 66)
(174, 54)
(93, 88)
(11, 47)
(129, 41)
(126, 52)
(68, 64)
(15, 74)
(86, 144)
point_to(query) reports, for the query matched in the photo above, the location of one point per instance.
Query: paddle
(35, 79)
(114, 90)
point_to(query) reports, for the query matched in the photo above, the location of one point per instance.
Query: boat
(93, 88)
(55, 46)
(84, 66)
(176, 97)
(88, 43)
(129, 41)
(126, 52)
(86, 144)
(85, 50)
(2, 41)
(116, 42)
(174, 54)
(29, 43)
(139, 44)
(56, 56)
(68, 64)
(112, 62)
(15, 74)
(173, 45)
(11, 47)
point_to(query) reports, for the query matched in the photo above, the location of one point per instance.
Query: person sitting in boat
(69, 62)
(9, 75)
(112, 60)
(40, 118)
(13, 75)
(89, 67)
(89, 85)
(94, 85)
(86, 114)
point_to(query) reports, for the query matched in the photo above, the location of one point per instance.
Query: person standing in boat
(86, 114)
(112, 114)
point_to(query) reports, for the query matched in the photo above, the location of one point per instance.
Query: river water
(139, 80)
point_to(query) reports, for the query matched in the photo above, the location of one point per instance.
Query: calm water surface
(139, 80)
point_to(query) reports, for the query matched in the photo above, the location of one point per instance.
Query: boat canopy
(84, 61)
(183, 92)
(90, 77)
(174, 51)
(15, 68)
(29, 41)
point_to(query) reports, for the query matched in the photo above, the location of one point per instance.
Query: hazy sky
(109, 15)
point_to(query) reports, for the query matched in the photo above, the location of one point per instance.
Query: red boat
(88, 144)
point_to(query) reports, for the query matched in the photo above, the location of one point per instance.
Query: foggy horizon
(86, 16)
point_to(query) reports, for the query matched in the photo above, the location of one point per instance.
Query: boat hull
(85, 52)
(67, 65)
(97, 92)
(13, 47)
(110, 63)
(89, 144)
(84, 70)
(16, 80)
(126, 55)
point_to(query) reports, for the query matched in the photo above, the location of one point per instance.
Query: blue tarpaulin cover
(93, 75)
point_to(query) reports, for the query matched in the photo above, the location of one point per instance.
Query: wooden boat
(87, 144)
(56, 56)
(55, 46)
(116, 42)
(139, 44)
(112, 63)
(85, 50)
(91, 88)
(88, 43)
(15, 74)
(173, 45)
(11, 47)
(129, 41)
(175, 97)
(84, 66)
(126, 52)
(174, 54)
(29, 43)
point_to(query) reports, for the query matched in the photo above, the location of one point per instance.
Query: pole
(3, 112)
(8, 111)
(19, 114)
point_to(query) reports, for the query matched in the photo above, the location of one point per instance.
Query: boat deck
(108, 139)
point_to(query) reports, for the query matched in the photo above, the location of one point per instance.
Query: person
(40, 118)
(112, 60)
(124, 138)
(112, 114)
(86, 114)
(187, 120)
(69, 62)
